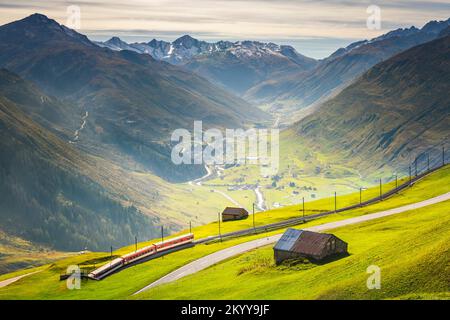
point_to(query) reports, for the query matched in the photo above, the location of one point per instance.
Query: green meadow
(411, 249)
(46, 285)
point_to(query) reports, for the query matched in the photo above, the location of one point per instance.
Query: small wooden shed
(296, 244)
(230, 214)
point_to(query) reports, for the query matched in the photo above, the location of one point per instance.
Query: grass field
(431, 186)
(45, 284)
(303, 173)
(17, 253)
(412, 250)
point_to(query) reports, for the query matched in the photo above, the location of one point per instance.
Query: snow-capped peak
(186, 48)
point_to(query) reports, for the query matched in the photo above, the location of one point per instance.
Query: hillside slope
(46, 198)
(133, 102)
(59, 117)
(26, 111)
(395, 111)
(248, 63)
(416, 267)
(123, 284)
(340, 69)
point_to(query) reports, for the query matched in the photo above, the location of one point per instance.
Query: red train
(116, 264)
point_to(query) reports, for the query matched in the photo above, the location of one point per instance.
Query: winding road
(199, 181)
(7, 282)
(214, 258)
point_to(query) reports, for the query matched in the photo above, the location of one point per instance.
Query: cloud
(233, 19)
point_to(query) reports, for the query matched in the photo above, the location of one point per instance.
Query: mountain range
(277, 75)
(77, 124)
(133, 101)
(331, 75)
(236, 66)
(397, 110)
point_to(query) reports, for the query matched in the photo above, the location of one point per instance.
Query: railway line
(299, 220)
(219, 256)
(144, 254)
(185, 241)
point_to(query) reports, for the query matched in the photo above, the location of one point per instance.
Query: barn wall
(339, 248)
(281, 256)
(229, 217)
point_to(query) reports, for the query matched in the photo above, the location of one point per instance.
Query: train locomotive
(142, 253)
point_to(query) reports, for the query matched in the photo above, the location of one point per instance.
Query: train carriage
(106, 269)
(142, 253)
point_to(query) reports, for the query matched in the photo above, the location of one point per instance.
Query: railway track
(299, 220)
(261, 229)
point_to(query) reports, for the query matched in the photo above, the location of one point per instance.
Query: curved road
(224, 254)
(199, 182)
(7, 282)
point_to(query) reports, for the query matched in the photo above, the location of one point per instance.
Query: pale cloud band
(289, 21)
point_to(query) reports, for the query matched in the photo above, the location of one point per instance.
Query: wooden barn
(296, 244)
(230, 214)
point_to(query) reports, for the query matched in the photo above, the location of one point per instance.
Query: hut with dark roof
(295, 244)
(230, 214)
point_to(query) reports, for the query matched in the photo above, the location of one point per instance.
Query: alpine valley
(85, 148)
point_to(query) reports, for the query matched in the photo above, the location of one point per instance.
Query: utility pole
(410, 175)
(135, 243)
(381, 190)
(190, 226)
(415, 164)
(428, 160)
(110, 260)
(162, 234)
(254, 227)
(396, 181)
(303, 200)
(335, 202)
(443, 156)
(220, 235)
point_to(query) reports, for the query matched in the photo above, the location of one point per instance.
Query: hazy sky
(315, 27)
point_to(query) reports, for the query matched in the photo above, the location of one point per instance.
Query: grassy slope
(17, 253)
(431, 186)
(416, 266)
(121, 285)
(315, 175)
(179, 203)
(56, 159)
